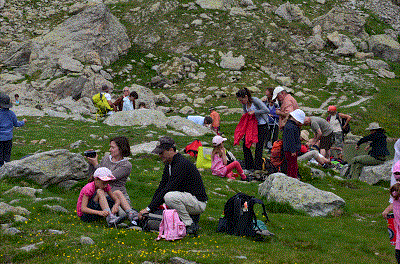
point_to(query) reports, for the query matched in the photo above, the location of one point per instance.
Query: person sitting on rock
(129, 101)
(119, 103)
(376, 155)
(105, 90)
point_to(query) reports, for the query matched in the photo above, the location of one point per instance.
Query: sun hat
(332, 108)
(5, 101)
(218, 140)
(277, 90)
(304, 134)
(103, 174)
(298, 115)
(373, 126)
(164, 143)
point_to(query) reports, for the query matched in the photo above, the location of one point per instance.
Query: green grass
(344, 238)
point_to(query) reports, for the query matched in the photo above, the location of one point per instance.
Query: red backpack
(276, 153)
(192, 148)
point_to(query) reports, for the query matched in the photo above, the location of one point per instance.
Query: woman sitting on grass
(219, 161)
(93, 203)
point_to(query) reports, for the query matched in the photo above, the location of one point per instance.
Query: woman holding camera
(116, 162)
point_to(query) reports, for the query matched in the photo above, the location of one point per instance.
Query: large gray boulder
(384, 46)
(342, 19)
(188, 127)
(291, 12)
(145, 148)
(374, 174)
(139, 117)
(6, 208)
(145, 95)
(53, 167)
(231, 63)
(301, 196)
(343, 44)
(93, 36)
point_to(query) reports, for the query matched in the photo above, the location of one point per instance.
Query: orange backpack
(277, 153)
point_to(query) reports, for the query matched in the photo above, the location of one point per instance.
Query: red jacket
(247, 126)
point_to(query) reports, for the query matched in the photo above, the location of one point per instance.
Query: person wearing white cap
(376, 155)
(291, 141)
(287, 103)
(219, 161)
(93, 203)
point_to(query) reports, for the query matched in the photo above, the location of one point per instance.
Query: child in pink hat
(93, 202)
(219, 162)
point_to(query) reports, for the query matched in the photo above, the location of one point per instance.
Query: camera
(90, 153)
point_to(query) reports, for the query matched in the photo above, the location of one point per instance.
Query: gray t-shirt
(322, 124)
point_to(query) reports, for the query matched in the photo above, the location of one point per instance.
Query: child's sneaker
(113, 220)
(133, 218)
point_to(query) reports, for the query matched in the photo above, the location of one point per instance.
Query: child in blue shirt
(8, 120)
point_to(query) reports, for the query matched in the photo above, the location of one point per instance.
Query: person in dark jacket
(181, 186)
(291, 141)
(376, 155)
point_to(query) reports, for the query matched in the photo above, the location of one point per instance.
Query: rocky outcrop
(291, 12)
(375, 174)
(301, 196)
(231, 63)
(93, 36)
(343, 43)
(142, 117)
(384, 46)
(53, 167)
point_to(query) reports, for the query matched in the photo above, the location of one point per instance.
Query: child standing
(219, 161)
(216, 120)
(8, 120)
(93, 203)
(291, 141)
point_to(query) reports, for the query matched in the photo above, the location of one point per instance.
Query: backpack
(342, 122)
(239, 217)
(204, 158)
(171, 227)
(192, 148)
(100, 101)
(268, 167)
(277, 156)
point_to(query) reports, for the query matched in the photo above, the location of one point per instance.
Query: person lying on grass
(93, 203)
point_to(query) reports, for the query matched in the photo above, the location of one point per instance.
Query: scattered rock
(28, 191)
(56, 208)
(86, 241)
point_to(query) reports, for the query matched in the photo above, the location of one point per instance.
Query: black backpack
(239, 217)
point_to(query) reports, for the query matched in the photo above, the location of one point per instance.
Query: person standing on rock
(287, 104)
(8, 120)
(254, 107)
(376, 155)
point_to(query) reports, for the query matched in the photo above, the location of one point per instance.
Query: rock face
(374, 174)
(301, 196)
(56, 167)
(93, 36)
(385, 47)
(142, 117)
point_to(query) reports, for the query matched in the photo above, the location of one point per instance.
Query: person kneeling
(93, 203)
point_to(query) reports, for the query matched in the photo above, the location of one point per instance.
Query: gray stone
(144, 117)
(301, 196)
(48, 168)
(146, 148)
(291, 12)
(178, 260)
(20, 218)
(68, 86)
(186, 110)
(70, 64)
(86, 240)
(384, 46)
(343, 44)
(6, 208)
(210, 4)
(377, 64)
(28, 191)
(316, 173)
(31, 247)
(145, 96)
(188, 127)
(161, 99)
(56, 208)
(2, 3)
(55, 232)
(12, 231)
(77, 144)
(231, 63)
(374, 174)
(386, 74)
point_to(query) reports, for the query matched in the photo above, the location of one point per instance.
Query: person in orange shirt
(216, 120)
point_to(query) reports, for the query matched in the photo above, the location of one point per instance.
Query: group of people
(180, 188)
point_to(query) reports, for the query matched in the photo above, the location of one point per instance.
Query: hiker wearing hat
(376, 155)
(287, 102)
(323, 133)
(216, 119)
(291, 141)
(219, 161)
(8, 120)
(94, 204)
(340, 125)
(181, 186)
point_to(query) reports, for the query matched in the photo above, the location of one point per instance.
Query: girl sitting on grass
(219, 161)
(93, 203)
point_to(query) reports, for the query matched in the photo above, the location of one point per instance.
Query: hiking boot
(192, 229)
(113, 220)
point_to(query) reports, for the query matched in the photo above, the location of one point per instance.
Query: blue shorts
(95, 206)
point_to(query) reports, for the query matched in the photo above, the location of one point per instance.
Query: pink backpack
(171, 227)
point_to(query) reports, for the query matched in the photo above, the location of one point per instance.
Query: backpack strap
(258, 201)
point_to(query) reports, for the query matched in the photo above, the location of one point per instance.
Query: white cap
(277, 90)
(298, 115)
(218, 140)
